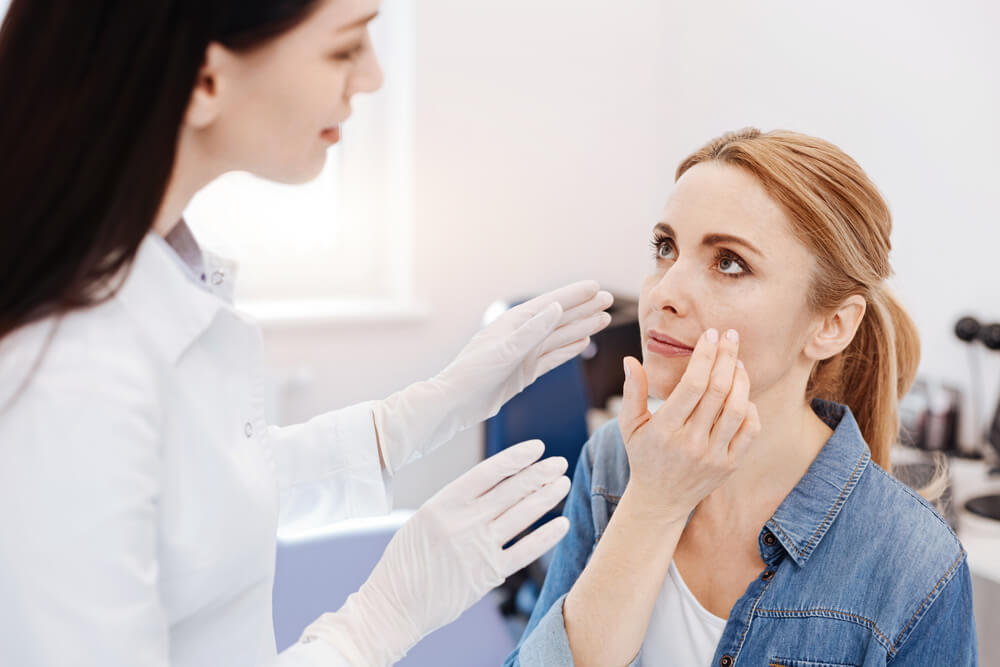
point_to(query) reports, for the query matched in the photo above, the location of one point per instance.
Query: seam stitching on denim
(867, 622)
(850, 484)
(853, 478)
(746, 627)
(924, 603)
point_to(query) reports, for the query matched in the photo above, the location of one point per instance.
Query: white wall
(547, 134)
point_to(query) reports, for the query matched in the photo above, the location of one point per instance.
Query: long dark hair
(93, 96)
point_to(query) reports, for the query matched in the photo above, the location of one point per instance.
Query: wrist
(367, 630)
(652, 509)
(415, 420)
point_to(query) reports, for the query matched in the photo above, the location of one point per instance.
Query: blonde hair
(838, 214)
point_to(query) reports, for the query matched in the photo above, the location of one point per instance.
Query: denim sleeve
(946, 633)
(544, 641)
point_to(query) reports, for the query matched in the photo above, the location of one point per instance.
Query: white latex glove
(501, 360)
(449, 555)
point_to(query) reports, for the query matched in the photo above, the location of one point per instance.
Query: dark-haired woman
(139, 479)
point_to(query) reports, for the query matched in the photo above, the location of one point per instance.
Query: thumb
(635, 395)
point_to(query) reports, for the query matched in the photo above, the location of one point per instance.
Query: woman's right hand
(693, 443)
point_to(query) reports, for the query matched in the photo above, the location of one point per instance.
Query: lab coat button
(248, 429)
(218, 276)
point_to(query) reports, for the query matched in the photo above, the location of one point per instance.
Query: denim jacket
(860, 570)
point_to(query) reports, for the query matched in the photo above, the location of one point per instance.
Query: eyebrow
(359, 23)
(712, 239)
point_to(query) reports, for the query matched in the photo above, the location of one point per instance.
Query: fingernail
(732, 335)
(712, 336)
(739, 362)
(628, 373)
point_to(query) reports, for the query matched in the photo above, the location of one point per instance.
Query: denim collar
(808, 511)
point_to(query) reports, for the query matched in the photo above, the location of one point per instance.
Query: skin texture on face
(696, 285)
(265, 111)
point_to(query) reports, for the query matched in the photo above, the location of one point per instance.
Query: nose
(672, 290)
(368, 77)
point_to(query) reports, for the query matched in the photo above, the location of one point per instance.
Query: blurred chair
(317, 570)
(552, 409)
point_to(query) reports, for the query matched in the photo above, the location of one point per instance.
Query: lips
(331, 134)
(664, 338)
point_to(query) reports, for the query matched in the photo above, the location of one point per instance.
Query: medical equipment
(984, 507)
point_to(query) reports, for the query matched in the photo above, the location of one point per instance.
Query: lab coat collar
(808, 511)
(168, 301)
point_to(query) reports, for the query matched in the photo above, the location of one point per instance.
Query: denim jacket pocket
(791, 662)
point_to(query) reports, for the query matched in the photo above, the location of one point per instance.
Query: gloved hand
(502, 359)
(449, 554)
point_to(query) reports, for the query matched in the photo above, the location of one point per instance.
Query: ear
(837, 329)
(205, 104)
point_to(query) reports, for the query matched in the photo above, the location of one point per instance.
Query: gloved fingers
(530, 334)
(530, 509)
(574, 331)
(510, 491)
(559, 356)
(568, 296)
(584, 294)
(600, 302)
(530, 547)
(487, 474)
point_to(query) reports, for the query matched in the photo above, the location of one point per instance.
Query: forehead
(718, 198)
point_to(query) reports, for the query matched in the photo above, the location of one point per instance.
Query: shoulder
(898, 515)
(84, 357)
(902, 546)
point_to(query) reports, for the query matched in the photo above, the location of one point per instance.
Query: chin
(303, 176)
(660, 383)
(293, 173)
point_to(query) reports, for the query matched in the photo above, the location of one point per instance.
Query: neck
(791, 436)
(193, 169)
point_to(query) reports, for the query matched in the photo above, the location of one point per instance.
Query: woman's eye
(663, 248)
(730, 265)
(349, 54)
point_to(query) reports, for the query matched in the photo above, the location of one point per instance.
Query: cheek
(281, 129)
(770, 348)
(764, 341)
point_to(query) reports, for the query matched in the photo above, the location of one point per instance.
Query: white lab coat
(139, 481)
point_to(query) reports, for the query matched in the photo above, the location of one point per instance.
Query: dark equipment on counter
(969, 329)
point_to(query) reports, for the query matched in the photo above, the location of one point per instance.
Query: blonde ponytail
(871, 376)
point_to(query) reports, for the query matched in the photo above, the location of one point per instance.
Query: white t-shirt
(681, 632)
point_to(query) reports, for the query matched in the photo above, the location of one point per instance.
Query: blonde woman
(751, 519)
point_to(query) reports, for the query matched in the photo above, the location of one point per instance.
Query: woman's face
(725, 257)
(283, 103)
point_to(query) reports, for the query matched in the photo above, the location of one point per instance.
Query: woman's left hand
(501, 360)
